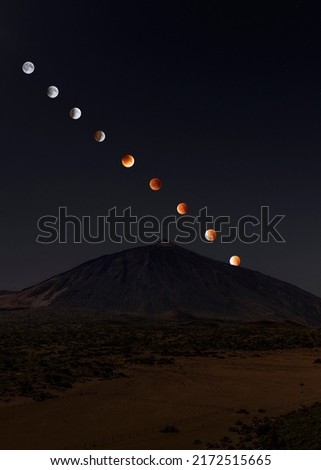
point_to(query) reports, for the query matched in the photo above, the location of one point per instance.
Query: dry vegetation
(180, 384)
(299, 429)
(44, 352)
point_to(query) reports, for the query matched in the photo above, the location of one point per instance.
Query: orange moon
(155, 184)
(128, 161)
(235, 260)
(210, 235)
(182, 208)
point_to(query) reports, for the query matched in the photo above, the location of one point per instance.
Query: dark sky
(222, 100)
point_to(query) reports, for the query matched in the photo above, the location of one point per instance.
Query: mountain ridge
(165, 277)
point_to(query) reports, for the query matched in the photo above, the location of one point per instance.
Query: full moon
(75, 113)
(99, 136)
(28, 67)
(210, 235)
(182, 208)
(52, 92)
(235, 260)
(128, 161)
(155, 184)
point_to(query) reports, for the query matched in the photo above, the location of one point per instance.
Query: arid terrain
(74, 380)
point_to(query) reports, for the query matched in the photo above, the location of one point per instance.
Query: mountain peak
(152, 280)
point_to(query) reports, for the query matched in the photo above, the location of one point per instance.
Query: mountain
(168, 280)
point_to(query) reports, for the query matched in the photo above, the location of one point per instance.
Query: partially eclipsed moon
(52, 92)
(210, 235)
(128, 161)
(99, 136)
(235, 260)
(75, 113)
(155, 184)
(182, 208)
(28, 67)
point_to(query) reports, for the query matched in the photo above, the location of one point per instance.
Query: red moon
(235, 260)
(182, 208)
(128, 161)
(210, 235)
(155, 184)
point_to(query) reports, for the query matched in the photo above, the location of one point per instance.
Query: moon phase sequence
(127, 160)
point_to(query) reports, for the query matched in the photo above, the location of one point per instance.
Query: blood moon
(128, 161)
(235, 260)
(155, 184)
(210, 235)
(182, 208)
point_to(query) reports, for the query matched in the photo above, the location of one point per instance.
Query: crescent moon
(99, 136)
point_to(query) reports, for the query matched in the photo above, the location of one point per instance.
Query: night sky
(221, 100)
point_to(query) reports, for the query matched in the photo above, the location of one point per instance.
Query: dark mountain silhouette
(168, 280)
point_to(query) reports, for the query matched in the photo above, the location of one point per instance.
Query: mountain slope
(164, 278)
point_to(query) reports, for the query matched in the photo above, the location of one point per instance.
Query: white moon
(28, 67)
(99, 136)
(52, 92)
(75, 113)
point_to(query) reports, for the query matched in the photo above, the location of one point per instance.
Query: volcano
(167, 280)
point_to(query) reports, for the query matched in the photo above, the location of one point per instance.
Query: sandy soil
(200, 396)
